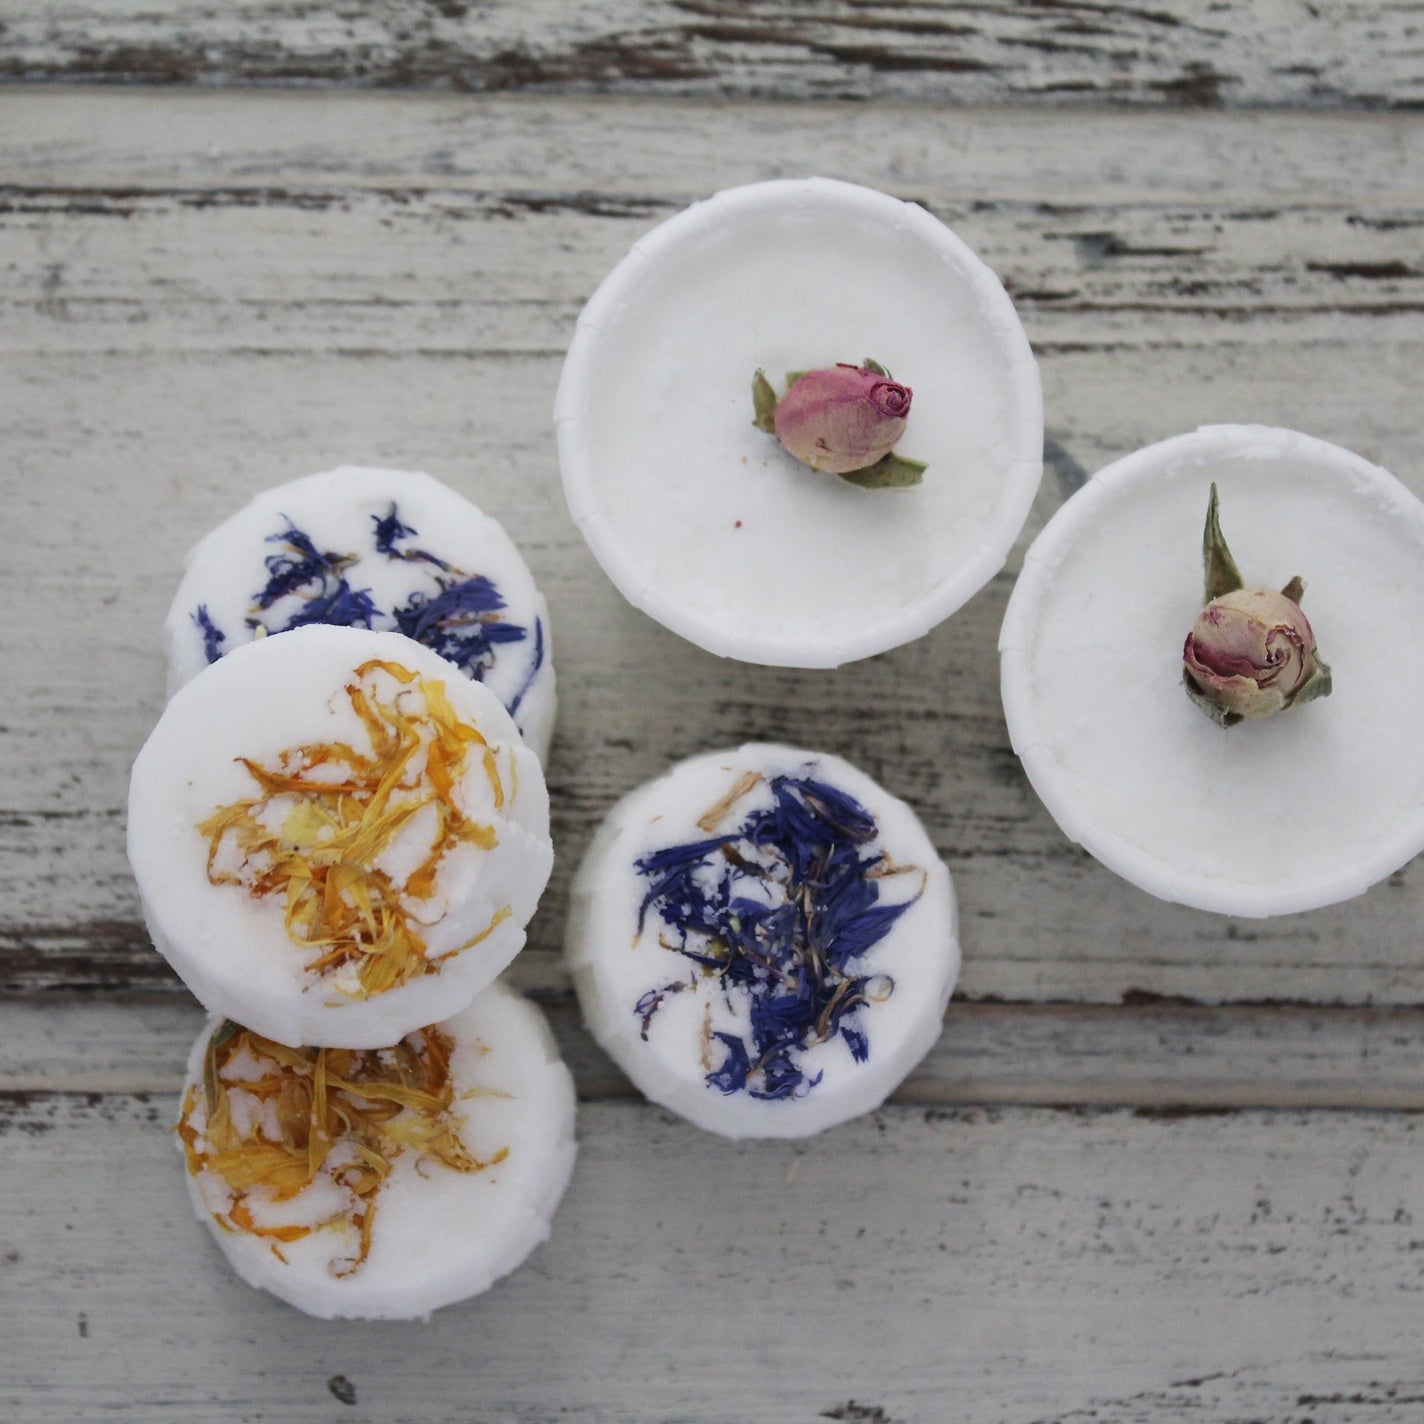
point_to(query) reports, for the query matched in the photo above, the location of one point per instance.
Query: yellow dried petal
(334, 830)
(374, 1104)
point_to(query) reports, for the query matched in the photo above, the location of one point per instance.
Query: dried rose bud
(1250, 653)
(842, 418)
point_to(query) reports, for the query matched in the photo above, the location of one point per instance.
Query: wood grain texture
(203, 293)
(1157, 1057)
(1173, 52)
(991, 1267)
(197, 306)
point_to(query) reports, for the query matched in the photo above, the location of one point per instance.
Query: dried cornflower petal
(764, 940)
(779, 910)
(1251, 652)
(390, 550)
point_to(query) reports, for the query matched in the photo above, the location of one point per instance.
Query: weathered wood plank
(374, 294)
(994, 1267)
(1155, 1056)
(1173, 53)
(311, 269)
(592, 153)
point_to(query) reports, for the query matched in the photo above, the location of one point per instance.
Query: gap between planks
(1154, 1056)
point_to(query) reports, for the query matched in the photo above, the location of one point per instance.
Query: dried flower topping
(327, 813)
(776, 914)
(459, 615)
(843, 419)
(269, 1121)
(1251, 652)
(213, 636)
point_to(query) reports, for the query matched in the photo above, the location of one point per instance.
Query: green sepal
(1214, 710)
(793, 376)
(763, 403)
(1221, 574)
(1294, 590)
(866, 364)
(890, 471)
(1318, 684)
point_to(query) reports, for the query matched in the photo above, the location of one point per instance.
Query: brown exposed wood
(1178, 54)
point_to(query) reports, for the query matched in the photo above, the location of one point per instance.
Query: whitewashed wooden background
(1163, 1165)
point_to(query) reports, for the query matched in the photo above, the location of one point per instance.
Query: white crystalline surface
(614, 965)
(226, 572)
(705, 521)
(232, 947)
(1307, 807)
(439, 1235)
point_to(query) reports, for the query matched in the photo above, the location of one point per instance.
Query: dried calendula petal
(366, 837)
(327, 815)
(380, 1182)
(338, 1114)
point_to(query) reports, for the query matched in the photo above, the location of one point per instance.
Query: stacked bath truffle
(339, 836)
(340, 830)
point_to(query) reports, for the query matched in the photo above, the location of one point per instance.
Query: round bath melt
(702, 519)
(380, 1183)
(336, 837)
(1288, 812)
(390, 550)
(764, 940)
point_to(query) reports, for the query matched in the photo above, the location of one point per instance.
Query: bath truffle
(764, 940)
(390, 550)
(336, 837)
(710, 525)
(380, 1183)
(1271, 817)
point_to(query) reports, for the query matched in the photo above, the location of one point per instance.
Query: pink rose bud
(842, 418)
(1251, 653)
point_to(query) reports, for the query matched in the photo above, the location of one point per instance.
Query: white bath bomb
(473, 1162)
(764, 940)
(703, 520)
(1275, 816)
(390, 550)
(337, 838)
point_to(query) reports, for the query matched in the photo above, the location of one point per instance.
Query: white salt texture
(1299, 810)
(439, 1235)
(225, 573)
(232, 949)
(614, 965)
